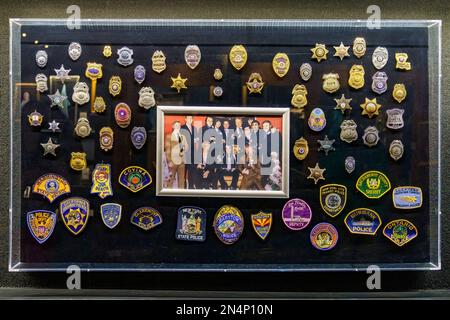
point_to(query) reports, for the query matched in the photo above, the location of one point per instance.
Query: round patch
(228, 224)
(296, 214)
(324, 236)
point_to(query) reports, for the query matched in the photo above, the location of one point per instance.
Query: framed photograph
(222, 152)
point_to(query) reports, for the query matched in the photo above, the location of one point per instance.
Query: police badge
(78, 161)
(99, 105)
(135, 178)
(319, 52)
(359, 47)
(35, 119)
(82, 128)
(299, 99)
(380, 57)
(379, 82)
(106, 137)
(125, 56)
(238, 56)
(395, 118)
(396, 149)
(255, 83)
(101, 180)
(402, 61)
(146, 98)
(333, 198)
(400, 231)
(330, 82)
(191, 224)
(399, 92)
(301, 148)
(139, 74)
(146, 218)
(305, 71)
(41, 224)
(262, 222)
(356, 76)
(115, 85)
(122, 114)
(74, 51)
(350, 164)
(138, 137)
(370, 136)
(192, 56)
(80, 93)
(41, 58)
(228, 224)
(51, 186)
(111, 214)
(158, 61)
(75, 214)
(281, 64)
(348, 131)
(41, 82)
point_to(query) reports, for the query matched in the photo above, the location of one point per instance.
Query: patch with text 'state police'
(191, 224)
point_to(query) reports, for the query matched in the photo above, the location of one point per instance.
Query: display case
(123, 183)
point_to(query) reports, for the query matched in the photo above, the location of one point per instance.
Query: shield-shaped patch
(41, 224)
(75, 214)
(262, 222)
(333, 198)
(111, 214)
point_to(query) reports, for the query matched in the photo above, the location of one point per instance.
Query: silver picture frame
(283, 113)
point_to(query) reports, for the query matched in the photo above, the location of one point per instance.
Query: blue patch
(111, 214)
(228, 224)
(146, 218)
(363, 221)
(407, 197)
(75, 214)
(135, 178)
(41, 224)
(191, 224)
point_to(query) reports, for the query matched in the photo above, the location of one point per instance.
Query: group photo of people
(216, 152)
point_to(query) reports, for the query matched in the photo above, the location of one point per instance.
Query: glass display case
(122, 133)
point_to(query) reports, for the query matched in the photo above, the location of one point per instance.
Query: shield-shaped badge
(158, 61)
(262, 222)
(139, 74)
(41, 224)
(75, 214)
(301, 148)
(333, 198)
(111, 214)
(395, 118)
(281, 64)
(192, 56)
(191, 224)
(138, 137)
(379, 82)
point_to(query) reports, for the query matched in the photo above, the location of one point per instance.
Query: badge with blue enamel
(51, 186)
(262, 223)
(228, 224)
(146, 218)
(41, 224)
(363, 221)
(407, 197)
(135, 178)
(333, 198)
(101, 180)
(139, 74)
(191, 224)
(111, 214)
(75, 214)
(400, 231)
(138, 137)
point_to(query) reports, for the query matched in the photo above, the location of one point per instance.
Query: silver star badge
(53, 126)
(326, 145)
(57, 99)
(62, 74)
(343, 104)
(49, 147)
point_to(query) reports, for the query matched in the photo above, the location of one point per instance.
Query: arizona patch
(75, 214)
(111, 214)
(373, 184)
(191, 224)
(101, 180)
(407, 197)
(135, 178)
(262, 222)
(41, 224)
(51, 186)
(146, 218)
(333, 198)
(400, 231)
(363, 221)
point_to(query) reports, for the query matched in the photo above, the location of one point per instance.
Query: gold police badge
(238, 56)
(78, 161)
(301, 148)
(281, 64)
(356, 78)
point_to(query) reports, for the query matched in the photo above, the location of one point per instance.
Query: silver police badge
(81, 93)
(41, 82)
(326, 145)
(395, 118)
(305, 71)
(139, 74)
(41, 58)
(379, 82)
(192, 56)
(348, 131)
(125, 56)
(396, 149)
(371, 136)
(138, 137)
(380, 57)
(74, 51)
(146, 98)
(350, 164)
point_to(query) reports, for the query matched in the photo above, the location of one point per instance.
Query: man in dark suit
(188, 130)
(228, 168)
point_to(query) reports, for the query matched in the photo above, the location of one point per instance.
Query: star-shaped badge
(49, 147)
(53, 126)
(343, 104)
(326, 145)
(316, 173)
(62, 74)
(178, 83)
(57, 99)
(370, 107)
(341, 51)
(319, 52)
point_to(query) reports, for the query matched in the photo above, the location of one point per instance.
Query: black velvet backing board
(130, 247)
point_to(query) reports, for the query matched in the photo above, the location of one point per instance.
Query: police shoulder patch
(51, 186)
(407, 197)
(146, 218)
(363, 221)
(228, 224)
(111, 214)
(400, 231)
(333, 198)
(262, 223)
(135, 178)
(41, 224)
(191, 224)
(75, 214)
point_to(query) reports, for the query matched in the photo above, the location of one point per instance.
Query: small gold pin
(402, 61)
(399, 92)
(107, 51)
(255, 83)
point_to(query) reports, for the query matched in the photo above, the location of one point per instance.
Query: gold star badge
(343, 104)
(178, 83)
(370, 107)
(316, 173)
(341, 51)
(319, 52)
